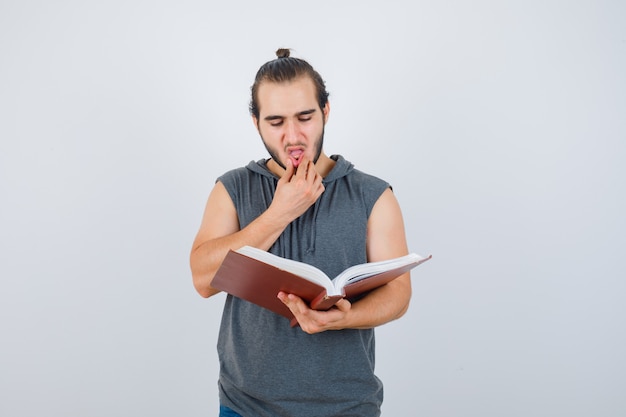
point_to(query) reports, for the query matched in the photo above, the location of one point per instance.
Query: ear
(326, 111)
(256, 122)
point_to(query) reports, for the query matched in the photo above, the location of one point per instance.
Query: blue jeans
(227, 412)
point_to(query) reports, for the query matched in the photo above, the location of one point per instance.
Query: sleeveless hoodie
(268, 368)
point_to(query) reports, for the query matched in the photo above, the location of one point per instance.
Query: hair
(283, 69)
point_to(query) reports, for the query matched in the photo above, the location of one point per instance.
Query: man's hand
(314, 321)
(297, 190)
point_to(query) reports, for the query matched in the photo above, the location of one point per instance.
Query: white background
(500, 125)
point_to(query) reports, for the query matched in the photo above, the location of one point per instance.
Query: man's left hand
(314, 321)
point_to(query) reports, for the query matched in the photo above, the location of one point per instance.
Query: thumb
(343, 305)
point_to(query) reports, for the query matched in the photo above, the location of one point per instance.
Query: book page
(362, 271)
(306, 271)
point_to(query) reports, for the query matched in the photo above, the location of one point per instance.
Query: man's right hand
(297, 190)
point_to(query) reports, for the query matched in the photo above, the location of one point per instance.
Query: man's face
(291, 122)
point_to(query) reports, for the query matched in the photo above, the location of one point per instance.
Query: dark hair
(282, 69)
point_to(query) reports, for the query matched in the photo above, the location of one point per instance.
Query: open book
(257, 276)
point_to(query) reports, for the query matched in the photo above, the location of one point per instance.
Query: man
(304, 205)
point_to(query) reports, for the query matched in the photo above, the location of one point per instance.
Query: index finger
(303, 168)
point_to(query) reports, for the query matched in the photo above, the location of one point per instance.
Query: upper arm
(220, 216)
(386, 237)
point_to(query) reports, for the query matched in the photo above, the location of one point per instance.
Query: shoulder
(234, 174)
(370, 186)
(368, 180)
(345, 170)
(254, 169)
(360, 186)
(238, 178)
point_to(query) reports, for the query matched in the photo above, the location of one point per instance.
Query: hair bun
(283, 53)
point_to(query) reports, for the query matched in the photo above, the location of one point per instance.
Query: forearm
(385, 304)
(207, 255)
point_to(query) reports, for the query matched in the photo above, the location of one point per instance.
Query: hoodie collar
(341, 169)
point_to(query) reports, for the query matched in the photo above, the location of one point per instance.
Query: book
(257, 276)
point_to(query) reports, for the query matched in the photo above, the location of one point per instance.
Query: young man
(304, 205)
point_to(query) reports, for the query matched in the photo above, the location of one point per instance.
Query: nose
(291, 132)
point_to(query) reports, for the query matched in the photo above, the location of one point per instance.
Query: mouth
(295, 154)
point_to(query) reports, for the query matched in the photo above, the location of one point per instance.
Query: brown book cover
(258, 276)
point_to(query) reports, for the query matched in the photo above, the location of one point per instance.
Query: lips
(295, 154)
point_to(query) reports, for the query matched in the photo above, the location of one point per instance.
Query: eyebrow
(302, 113)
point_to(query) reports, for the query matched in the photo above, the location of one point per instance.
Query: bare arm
(385, 240)
(220, 231)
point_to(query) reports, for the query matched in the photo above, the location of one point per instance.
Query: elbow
(201, 277)
(202, 287)
(403, 311)
(202, 282)
(205, 293)
(201, 290)
(404, 306)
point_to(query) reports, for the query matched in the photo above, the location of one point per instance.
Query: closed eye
(274, 120)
